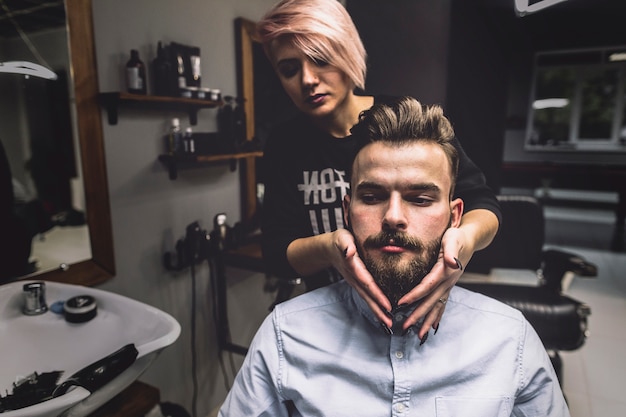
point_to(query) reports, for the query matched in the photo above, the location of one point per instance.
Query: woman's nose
(309, 74)
(394, 217)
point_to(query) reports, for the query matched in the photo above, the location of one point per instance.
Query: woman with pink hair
(320, 61)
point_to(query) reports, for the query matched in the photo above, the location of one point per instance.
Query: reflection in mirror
(38, 135)
(265, 102)
(578, 100)
(63, 149)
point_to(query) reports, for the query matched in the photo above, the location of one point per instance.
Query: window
(578, 101)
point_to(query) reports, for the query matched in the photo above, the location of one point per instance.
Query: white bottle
(175, 142)
(188, 140)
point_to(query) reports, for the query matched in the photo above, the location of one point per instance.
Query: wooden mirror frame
(281, 106)
(101, 266)
(245, 36)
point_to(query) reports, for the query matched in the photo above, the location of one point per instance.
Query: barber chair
(560, 321)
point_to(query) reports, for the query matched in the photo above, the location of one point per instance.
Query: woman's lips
(316, 99)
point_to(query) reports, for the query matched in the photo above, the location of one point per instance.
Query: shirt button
(399, 317)
(400, 408)
(399, 355)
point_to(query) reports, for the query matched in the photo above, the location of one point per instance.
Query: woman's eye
(288, 70)
(319, 62)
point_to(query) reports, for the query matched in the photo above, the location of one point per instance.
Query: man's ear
(456, 210)
(346, 210)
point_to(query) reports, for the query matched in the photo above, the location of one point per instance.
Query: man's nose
(394, 217)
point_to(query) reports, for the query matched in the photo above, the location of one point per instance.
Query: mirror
(265, 102)
(88, 126)
(578, 101)
(244, 40)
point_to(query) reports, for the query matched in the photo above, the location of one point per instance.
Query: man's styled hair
(322, 30)
(404, 120)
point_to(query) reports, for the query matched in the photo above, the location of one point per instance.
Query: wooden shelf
(174, 162)
(113, 101)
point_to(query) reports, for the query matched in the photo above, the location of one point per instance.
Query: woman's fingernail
(459, 264)
(436, 327)
(423, 339)
(388, 314)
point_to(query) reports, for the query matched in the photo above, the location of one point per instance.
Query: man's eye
(370, 198)
(420, 201)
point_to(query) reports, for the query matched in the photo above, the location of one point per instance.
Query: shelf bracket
(111, 106)
(170, 163)
(193, 116)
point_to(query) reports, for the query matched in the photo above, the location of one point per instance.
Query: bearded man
(324, 353)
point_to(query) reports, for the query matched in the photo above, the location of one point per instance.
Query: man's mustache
(385, 238)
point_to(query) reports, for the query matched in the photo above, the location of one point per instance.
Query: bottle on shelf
(135, 74)
(189, 144)
(163, 73)
(195, 73)
(174, 139)
(180, 70)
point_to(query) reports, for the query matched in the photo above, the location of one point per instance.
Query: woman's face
(316, 88)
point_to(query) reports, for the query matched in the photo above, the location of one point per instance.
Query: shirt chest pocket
(473, 406)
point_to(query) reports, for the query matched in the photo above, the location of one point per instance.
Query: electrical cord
(198, 248)
(220, 358)
(194, 375)
(194, 253)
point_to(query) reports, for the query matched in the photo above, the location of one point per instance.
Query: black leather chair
(560, 320)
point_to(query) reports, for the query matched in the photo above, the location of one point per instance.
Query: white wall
(149, 211)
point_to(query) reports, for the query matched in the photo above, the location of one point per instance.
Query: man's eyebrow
(369, 185)
(427, 186)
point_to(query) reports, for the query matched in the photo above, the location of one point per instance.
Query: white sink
(47, 342)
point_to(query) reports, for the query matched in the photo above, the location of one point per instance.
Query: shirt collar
(398, 315)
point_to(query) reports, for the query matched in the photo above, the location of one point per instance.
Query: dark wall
(477, 83)
(440, 52)
(407, 43)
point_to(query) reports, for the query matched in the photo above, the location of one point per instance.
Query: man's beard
(392, 278)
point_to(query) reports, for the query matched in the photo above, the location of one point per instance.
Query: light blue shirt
(325, 352)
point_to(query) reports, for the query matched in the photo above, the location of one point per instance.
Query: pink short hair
(322, 30)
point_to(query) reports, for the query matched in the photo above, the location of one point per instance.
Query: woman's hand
(337, 249)
(437, 284)
(476, 231)
(347, 261)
